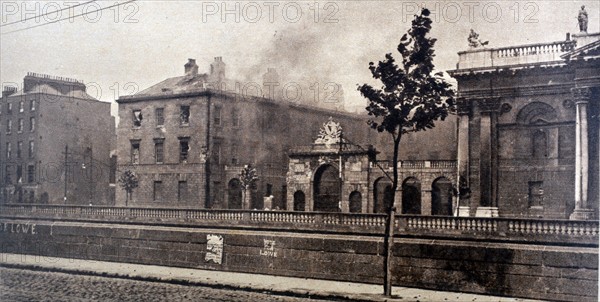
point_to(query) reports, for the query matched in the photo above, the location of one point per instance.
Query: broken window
(30, 173)
(184, 115)
(31, 146)
(19, 174)
(137, 118)
(217, 152)
(8, 108)
(20, 125)
(32, 105)
(159, 150)
(160, 116)
(31, 124)
(8, 150)
(184, 148)
(19, 148)
(21, 106)
(135, 151)
(182, 188)
(217, 116)
(8, 126)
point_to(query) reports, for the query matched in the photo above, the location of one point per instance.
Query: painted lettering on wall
(268, 249)
(214, 247)
(17, 228)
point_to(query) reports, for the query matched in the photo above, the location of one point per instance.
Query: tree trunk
(388, 241)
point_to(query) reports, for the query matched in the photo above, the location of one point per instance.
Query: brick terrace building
(528, 129)
(36, 124)
(187, 140)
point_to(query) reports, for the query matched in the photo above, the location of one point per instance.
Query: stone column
(582, 210)
(488, 207)
(463, 110)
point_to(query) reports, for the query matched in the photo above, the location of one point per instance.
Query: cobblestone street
(26, 285)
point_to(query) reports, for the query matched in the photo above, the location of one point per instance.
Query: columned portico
(582, 210)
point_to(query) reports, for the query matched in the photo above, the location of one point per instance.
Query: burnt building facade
(528, 134)
(187, 139)
(54, 143)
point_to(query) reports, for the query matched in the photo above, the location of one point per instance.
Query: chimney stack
(191, 68)
(8, 91)
(217, 70)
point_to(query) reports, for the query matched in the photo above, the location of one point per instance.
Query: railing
(478, 228)
(515, 55)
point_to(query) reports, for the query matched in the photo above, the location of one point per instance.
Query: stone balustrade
(505, 229)
(514, 55)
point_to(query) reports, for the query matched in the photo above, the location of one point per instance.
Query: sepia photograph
(299, 150)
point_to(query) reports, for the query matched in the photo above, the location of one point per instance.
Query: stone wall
(479, 266)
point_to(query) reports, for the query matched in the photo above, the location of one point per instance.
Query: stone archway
(299, 201)
(411, 196)
(355, 202)
(382, 195)
(326, 189)
(441, 197)
(234, 194)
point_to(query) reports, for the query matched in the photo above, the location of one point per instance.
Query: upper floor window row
(160, 116)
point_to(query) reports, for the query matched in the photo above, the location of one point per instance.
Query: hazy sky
(144, 42)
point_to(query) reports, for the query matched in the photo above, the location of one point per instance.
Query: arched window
(411, 196)
(234, 193)
(441, 197)
(382, 195)
(355, 202)
(299, 201)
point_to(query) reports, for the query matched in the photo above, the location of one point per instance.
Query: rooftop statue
(474, 40)
(583, 20)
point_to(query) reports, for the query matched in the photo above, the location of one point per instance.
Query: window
(184, 148)
(182, 190)
(160, 116)
(8, 126)
(19, 148)
(19, 174)
(137, 118)
(8, 174)
(536, 194)
(540, 144)
(157, 195)
(31, 148)
(8, 150)
(21, 106)
(8, 108)
(235, 118)
(159, 150)
(217, 153)
(20, 125)
(30, 173)
(32, 105)
(135, 151)
(31, 124)
(217, 116)
(184, 115)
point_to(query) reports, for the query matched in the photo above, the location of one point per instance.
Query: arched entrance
(327, 189)
(299, 201)
(411, 196)
(383, 195)
(355, 202)
(441, 197)
(234, 194)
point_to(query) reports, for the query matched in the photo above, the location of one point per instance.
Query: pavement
(276, 285)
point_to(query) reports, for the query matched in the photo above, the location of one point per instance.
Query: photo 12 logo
(15, 12)
(473, 11)
(269, 11)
